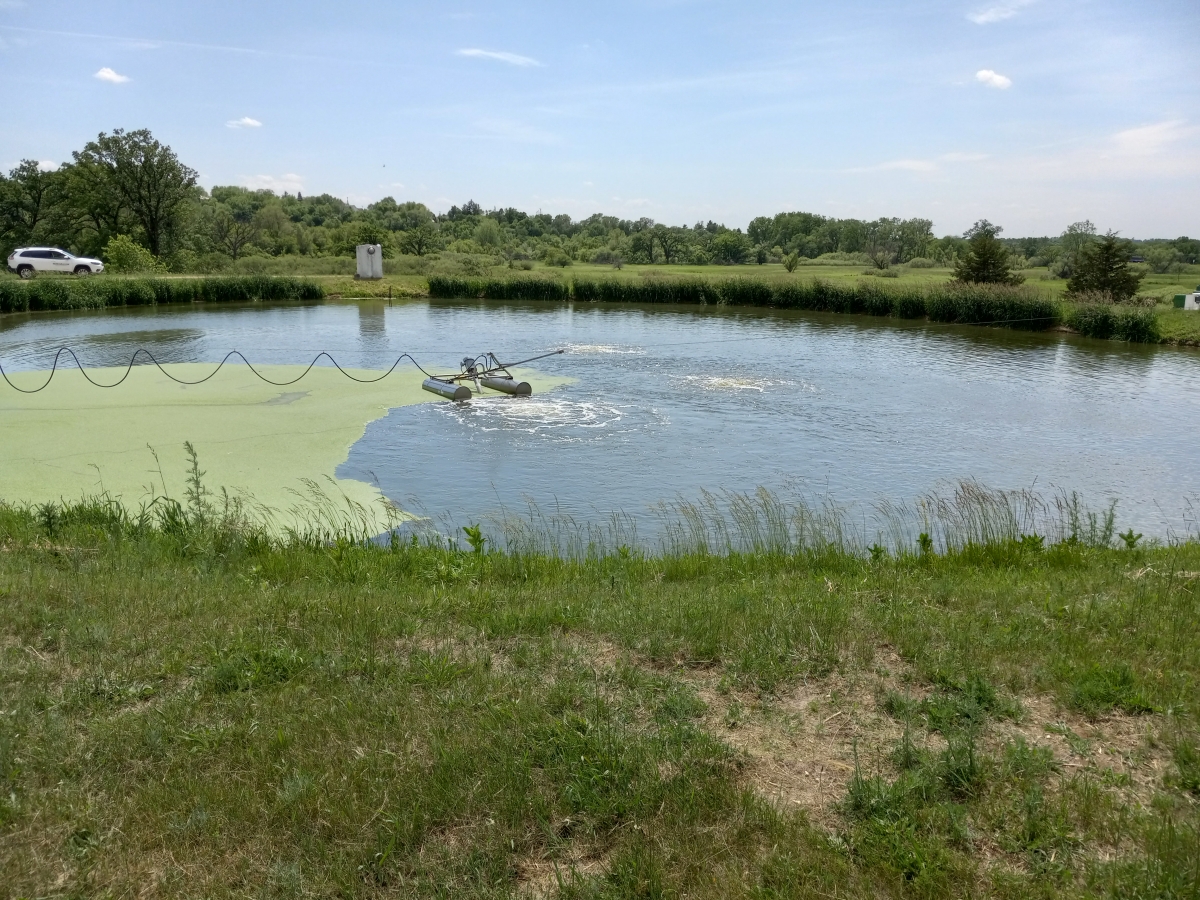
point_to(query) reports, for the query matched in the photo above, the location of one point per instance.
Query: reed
(1109, 322)
(98, 293)
(966, 304)
(449, 286)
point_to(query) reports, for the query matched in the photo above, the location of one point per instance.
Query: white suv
(26, 261)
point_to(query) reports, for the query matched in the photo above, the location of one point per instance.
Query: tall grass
(1105, 321)
(967, 304)
(449, 286)
(98, 293)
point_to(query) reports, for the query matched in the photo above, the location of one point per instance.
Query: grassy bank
(194, 708)
(48, 293)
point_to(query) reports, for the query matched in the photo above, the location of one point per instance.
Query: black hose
(231, 353)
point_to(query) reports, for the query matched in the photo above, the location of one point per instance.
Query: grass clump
(1103, 688)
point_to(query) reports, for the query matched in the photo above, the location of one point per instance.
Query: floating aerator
(484, 371)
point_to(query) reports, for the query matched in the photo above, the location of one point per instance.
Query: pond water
(669, 401)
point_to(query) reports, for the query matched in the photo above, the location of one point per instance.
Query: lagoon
(662, 403)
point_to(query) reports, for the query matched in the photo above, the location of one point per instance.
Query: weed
(1130, 539)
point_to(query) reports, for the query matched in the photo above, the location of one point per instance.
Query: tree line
(129, 199)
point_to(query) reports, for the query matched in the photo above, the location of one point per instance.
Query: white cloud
(991, 14)
(513, 59)
(994, 79)
(107, 74)
(47, 165)
(291, 183)
(1149, 139)
(243, 122)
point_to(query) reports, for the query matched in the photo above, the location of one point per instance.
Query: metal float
(484, 371)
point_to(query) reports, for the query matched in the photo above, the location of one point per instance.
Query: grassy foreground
(190, 707)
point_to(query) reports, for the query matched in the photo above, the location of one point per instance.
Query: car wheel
(25, 272)
(82, 271)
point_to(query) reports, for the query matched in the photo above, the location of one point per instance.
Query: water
(669, 401)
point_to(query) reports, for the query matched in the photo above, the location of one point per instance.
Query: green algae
(254, 439)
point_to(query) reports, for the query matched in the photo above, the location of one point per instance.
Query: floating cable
(142, 351)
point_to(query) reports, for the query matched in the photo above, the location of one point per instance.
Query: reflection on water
(667, 401)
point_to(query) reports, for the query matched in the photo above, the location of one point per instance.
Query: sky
(1030, 113)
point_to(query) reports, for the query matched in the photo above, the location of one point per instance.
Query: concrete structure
(370, 261)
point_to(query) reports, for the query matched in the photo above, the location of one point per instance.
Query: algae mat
(252, 438)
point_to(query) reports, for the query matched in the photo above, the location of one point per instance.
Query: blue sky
(1031, 113)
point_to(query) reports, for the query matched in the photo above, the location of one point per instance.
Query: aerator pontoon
(484, 371)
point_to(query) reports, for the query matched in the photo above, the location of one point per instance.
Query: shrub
(920, 262)
(123, 254)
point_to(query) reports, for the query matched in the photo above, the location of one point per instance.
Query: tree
(131, 171)
(26, 202)
(730, 248)
(232, 233)
(641, 246)
(1102, 267)
(670, 240)
(418, 241)
(986, 260)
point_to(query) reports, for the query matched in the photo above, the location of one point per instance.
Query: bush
(123, 254)
(920, 262)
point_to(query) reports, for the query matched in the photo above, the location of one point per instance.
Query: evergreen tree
(986, 260)
(1103, 268)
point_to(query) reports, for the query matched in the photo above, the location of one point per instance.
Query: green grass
(192, 707)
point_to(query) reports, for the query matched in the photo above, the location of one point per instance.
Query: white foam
(741, 383)
(604, 349)
(536, 415)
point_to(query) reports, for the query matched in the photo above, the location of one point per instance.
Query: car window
(34, 254)
(56, 254)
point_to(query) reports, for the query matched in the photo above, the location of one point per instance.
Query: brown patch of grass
(802, 747)
(544, 875)
(1115, 747)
